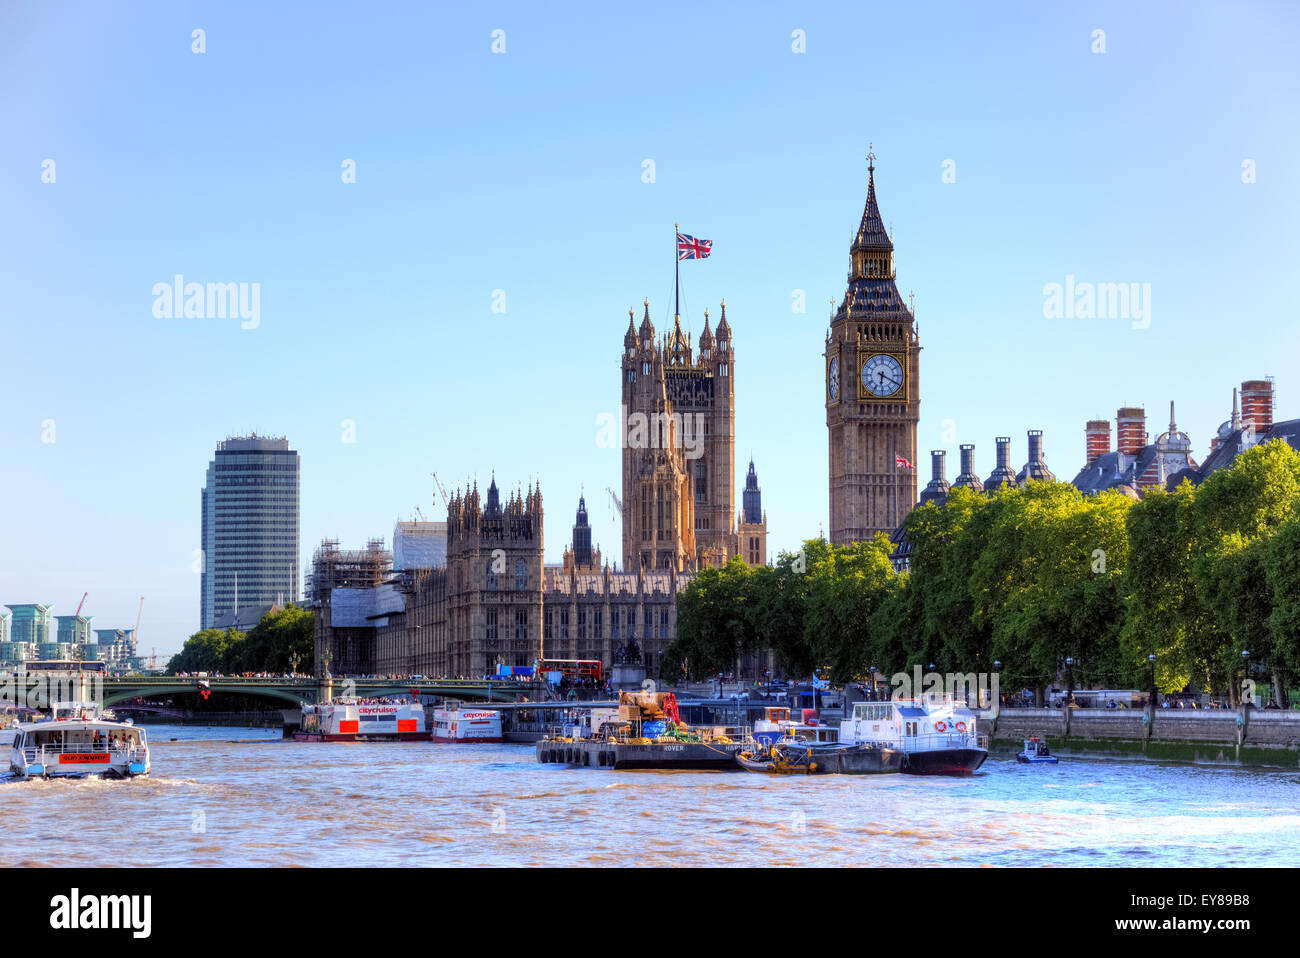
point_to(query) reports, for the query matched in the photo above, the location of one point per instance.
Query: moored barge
(644, 732)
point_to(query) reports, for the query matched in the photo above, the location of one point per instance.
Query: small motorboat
(1036, 753)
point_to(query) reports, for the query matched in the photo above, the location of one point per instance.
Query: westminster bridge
(38, 689)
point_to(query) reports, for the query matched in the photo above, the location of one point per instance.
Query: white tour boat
(76, 741)
(937, 738)
(349, 720)
(455, 724)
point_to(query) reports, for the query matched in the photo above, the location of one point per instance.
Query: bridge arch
(125, 694)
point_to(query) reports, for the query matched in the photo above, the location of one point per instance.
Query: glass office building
(30, 623)
(249, 527)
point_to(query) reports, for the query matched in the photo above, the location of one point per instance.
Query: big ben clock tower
(872, 390)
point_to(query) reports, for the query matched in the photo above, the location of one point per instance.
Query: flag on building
(901, 462)
(688, 247)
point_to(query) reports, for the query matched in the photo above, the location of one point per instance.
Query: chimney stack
(1257, 404)
(937, 489)
(968, 477)
(1002, 474)
(1035, 468)
(1097, 436)
(1131, 429)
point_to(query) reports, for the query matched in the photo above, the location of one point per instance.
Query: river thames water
(232, 796)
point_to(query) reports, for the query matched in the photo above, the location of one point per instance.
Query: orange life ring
(940, 727)
(961, 726)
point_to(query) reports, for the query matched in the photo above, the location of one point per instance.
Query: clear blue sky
(522, 172)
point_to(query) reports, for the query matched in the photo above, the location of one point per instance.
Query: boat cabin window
(873, 711)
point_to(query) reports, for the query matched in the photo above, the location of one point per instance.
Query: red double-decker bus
(575, 670)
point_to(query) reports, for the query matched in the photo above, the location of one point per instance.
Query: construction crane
(135, 634)
(438, 483)
(80, 604)
(614, 500)
(420, 512)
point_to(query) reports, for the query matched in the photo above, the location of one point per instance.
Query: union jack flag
(902, 463)
(688, 247)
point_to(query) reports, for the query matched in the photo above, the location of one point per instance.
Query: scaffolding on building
(335, 568)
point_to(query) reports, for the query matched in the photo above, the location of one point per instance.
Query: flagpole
(677, 276)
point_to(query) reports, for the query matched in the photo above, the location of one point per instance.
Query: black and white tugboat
(936, 738)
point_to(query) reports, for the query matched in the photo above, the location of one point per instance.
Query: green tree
(1049, 583)
(1163, 616)
(208, 650)
(781, 599)
(1238, 510)
(1282, 572)
(715, 622)
(846, 585)
(273, 642)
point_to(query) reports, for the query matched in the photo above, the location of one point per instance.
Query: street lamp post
(1152, 659)
(1245, 676)
(1069, 674)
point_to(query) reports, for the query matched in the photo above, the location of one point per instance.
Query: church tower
(751, 522)
(872, 389)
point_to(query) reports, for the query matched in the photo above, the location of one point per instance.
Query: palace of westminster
(460, 598)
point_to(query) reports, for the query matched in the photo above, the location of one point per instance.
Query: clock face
(833, 379)
(882, 375)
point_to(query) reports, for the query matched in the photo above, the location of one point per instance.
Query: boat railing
(44, 754)
(937, 740)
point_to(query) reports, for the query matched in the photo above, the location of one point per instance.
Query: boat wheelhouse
(454, 724)
(771, 728)
(938, 738)
(76, 741)
(353, 720)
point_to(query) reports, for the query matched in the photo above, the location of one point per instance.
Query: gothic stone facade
(679, 488)
(495, 603)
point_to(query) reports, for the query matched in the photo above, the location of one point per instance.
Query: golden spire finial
(871, 158)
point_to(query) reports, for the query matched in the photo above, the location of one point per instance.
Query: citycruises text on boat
(76, 741)
(455, 724)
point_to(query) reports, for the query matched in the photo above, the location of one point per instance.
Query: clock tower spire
(872, 388)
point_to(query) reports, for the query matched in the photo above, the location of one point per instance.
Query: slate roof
(1112, 469)
(1238, 441)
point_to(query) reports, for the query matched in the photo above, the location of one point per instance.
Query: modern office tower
(74, 630)
(249, 526)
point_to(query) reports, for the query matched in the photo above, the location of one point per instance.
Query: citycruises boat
(1036, 753)
(937, 738)
(350, 720)
(457, 725)
(76, 741)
